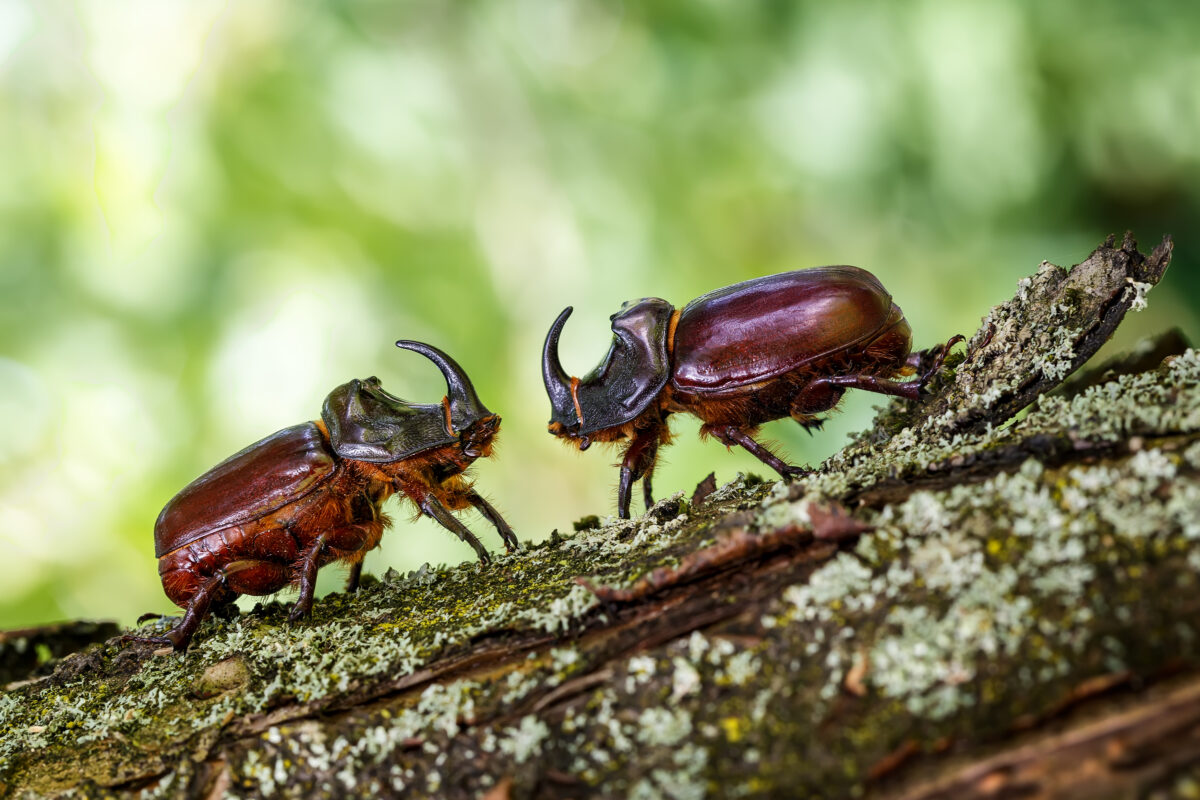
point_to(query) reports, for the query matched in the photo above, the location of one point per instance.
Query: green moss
(590, 522)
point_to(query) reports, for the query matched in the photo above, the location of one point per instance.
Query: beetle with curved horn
(786, 345)
(273, 514)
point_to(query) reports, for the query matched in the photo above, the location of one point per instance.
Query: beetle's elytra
(773, 347)
(309, 495)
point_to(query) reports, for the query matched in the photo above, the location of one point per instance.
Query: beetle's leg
(624, 487)
(638, 461)
(910, 390)
(944, 351)
(432, 507)
(355, 574)
(493, 516)
(915, 359)
(647, 492)
(729, 435)
(180, 636)
(197, 608)
(308, 579)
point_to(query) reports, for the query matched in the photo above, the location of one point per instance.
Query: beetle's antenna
(465, 405)
(558, 384)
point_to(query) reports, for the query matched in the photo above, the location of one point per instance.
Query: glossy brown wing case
(256, 481)
(759, 329)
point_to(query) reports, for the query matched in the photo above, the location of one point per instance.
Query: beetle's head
(476, 440)
(622, 386)
(366, 423)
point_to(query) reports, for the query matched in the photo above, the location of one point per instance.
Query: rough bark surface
(965, 602)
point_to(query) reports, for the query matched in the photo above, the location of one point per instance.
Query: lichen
(524, 741)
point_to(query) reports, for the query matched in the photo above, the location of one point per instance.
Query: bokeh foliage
(211, 214)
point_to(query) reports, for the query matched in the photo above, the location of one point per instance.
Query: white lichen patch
(1136, 293)
(741, 668)
(661, 726)
(685, 681)
(1059, 359)
(845, 581)
(638, 671)
(988, 563)
(778, 514)
(631, 746)
(443, 705)
(1192, 456)
(561, 611)
(525, 740)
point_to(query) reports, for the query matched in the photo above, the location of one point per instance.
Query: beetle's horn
(465, 406)
(558, 383)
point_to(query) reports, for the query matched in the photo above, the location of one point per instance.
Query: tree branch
(963, 602)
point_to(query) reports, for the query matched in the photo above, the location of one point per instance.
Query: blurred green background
(213, 213)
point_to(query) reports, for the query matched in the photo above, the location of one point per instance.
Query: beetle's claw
(942, 352)
(791, 473)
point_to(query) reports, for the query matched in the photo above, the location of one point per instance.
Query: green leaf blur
(213, 213)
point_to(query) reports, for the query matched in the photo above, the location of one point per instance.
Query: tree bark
(965, 602)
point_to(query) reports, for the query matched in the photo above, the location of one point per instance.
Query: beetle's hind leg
(212, 590)
(917, 357)
(729, 435)
(909, 390)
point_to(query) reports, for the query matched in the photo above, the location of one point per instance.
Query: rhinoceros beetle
(282, 508)
(783, 345)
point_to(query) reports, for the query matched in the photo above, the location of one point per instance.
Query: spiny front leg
(638, 462)
(729, 435)
(309, 562)
(433, 508)
(493, 516)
